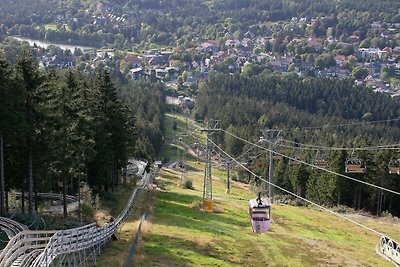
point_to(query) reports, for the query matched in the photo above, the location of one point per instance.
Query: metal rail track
(71, 247)
(11, 227)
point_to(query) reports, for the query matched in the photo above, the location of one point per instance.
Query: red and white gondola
(260, 211)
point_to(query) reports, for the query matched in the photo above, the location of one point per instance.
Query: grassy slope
(299, 236)
(178, 235)
(116, 251)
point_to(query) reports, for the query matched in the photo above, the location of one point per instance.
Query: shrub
(387, 216)
(197, 205)
(188, 184)
(342, 209)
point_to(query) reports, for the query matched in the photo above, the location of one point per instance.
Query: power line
(302, 198)
(302, 146)
(251, 148)
(316, 147)
(339, 125)
(314, 166)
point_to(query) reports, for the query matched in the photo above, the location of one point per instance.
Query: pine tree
(109, 132)
(70, 136)
(29, 78)
(6, 111)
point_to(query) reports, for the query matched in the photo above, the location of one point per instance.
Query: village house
(173, 71)
(375, 25)
(374, 68)
(61, 62)
(138, 73)
(312, 41)
(370, 53)
(249, 35)
(353, 39)
(135, 61)
(340, 60)
(388, 50)
(232, 42)
(210, 46)
(153, 60)
(161, 73)
(247, 44)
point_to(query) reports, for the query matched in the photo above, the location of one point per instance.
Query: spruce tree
(6, 111)
(29, 78)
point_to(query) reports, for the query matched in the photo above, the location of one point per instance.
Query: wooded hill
(307, 110)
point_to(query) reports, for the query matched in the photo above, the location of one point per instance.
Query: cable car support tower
(272, 137)
(207, 184)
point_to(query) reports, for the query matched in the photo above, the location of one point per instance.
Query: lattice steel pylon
(272, 136)
(183, 159)
(207, 184)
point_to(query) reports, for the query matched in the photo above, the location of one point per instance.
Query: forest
(60, 129)
(307, 111)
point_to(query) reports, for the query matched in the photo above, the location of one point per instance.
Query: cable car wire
(339, 125)
(300, 197)
(251, 148)
(324, 148)
(314, 166)
(315, 147)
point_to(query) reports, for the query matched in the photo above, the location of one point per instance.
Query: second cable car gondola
(355, 165)
(321, 161)
(259, 210)
(394, 166)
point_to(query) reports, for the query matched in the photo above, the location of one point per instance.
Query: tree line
(307, 109)
(58, 129)
(178, 22)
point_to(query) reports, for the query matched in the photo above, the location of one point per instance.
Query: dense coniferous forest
(306, 109)
(61, 128)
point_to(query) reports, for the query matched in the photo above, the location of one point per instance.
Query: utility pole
(207, 184)
(182, 139)
(228, 185)
(272, 137)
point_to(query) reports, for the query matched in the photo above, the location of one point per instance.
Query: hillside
(178, 235)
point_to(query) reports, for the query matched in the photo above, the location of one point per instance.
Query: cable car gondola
(394, 167)
(259, 210)
(321, 161)
(355, 165)
(389, 249)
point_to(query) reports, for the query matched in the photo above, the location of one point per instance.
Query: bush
(387, 216)
(91, 201)
(234, 177)
(289, 200)
(197, 205)
(87, 212)
(342, 209)
(188, 184)
(107, 196)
